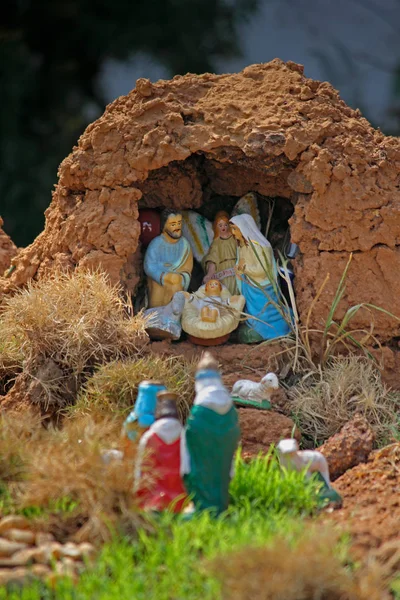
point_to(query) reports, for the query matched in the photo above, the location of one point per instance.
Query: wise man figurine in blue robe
(168, 261)
(209, 440)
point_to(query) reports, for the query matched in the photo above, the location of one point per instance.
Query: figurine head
(213, 288)
(221, 225)
(287, 447)
(237, 234)
(271, 381)
(207, 368)
(172, 223)
(167, 405)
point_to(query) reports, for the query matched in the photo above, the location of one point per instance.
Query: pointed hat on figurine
(208, 366)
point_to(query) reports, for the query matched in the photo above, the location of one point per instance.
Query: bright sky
(354, 44)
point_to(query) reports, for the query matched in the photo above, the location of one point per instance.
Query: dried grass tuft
(10, 362)
(65, 325)
(308, 570)
(322, 402)
(113, 388)
(19, 431)
(67, 463)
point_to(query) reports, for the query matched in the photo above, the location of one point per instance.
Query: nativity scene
(240, 288)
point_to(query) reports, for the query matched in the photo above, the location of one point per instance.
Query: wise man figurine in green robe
(209, 440)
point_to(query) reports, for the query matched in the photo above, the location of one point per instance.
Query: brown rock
(20, 558)
(299, 183)
(163, 141)
(87, 550)
(14, 522)
(43, 538)
(8, 548)
(348, 448)
(7, 250)
(48, 552)
(20, 535)
(70, 550)
(40, 571)
(261, 428)
(18, 575)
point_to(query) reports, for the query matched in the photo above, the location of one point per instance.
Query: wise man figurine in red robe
(158, 481)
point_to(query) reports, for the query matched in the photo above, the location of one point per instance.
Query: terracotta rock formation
(371, 509)
(7, 249)
(348, 448)
(261, 428)
(268, 129)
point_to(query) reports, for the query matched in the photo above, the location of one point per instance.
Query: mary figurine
(256, 275)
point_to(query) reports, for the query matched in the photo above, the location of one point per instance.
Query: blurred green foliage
(51, 55)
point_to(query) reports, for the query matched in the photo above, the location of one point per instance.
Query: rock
(71, 550)
(43, 538)
(20, 535)
(41, 571)
(7, 250)
(87, 550)
(261, 428)
(7, 548)
(299, 183)
(14, 522)
(18, 575)
(20, 558)
(48, 552)
(348, 448)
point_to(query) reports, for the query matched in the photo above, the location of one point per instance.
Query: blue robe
(258, 301)
(162, 257)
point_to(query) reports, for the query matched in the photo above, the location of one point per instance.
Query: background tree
(51, 55)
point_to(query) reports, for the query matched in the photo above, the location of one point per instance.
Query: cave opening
(215, 181)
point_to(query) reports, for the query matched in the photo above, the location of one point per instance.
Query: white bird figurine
(250, 390)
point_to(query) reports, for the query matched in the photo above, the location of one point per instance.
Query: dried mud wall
(267, 129)
(7, 249)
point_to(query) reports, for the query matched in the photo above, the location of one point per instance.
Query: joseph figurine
(168, 262)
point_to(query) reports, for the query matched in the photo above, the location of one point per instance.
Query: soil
(261, 428)
(371, 501)
(237, 361)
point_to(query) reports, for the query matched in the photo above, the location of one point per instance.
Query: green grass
(172, 562)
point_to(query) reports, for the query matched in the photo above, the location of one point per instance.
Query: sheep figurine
(164, 322)
(312, 462)
(250, 390)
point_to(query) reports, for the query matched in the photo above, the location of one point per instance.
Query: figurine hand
(186, 294)
(240, 267)
(173, 278)
(210, 272)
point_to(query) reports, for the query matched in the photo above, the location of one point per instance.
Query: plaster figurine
(248, 205)
(313, 461)
(164, 322)
(142, 416)
(168, 261)
(211, 314)
(250, 390)
(254, 282)
(208, 305)
(209, 440)
(198, 231)
(220, 259)
(159, 455)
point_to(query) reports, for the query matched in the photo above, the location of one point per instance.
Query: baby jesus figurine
(207, 306)
(211, 314)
